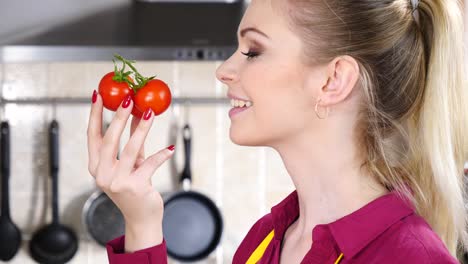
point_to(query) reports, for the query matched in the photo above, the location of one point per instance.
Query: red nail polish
(127, 101)
(147, 114)
(94, 97)
(171, 147)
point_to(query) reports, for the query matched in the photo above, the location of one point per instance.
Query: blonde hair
(413, 116)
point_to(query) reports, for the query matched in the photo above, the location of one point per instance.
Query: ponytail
(439, 131)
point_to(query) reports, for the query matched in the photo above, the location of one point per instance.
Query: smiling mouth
(240, 103)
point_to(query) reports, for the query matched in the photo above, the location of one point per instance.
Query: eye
(250, 54)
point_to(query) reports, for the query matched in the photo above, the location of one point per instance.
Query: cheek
(280, 106)
(272, 83)
(280, 94)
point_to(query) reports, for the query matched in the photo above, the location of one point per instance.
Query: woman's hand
(127, 180)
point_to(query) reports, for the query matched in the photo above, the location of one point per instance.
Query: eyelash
(250, 54)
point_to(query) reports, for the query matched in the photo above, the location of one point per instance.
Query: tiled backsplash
(244, 181)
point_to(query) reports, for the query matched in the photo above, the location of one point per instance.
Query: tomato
(113, 92)
(146, 92)
(135, 111)
(155, 95)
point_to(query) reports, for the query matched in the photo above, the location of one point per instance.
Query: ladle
(10, 235)
(54, 243)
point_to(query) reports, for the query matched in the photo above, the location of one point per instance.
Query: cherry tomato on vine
(155, 95)
(146, 92)
(113, 92)
(135, 111)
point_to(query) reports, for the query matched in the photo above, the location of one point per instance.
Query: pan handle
(54, 166)
(5, 163)
(186, 175)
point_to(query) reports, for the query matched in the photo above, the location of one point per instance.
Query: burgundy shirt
(387, 230)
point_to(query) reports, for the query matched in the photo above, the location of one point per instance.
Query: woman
(362, 99)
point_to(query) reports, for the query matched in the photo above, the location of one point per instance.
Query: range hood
(142, 30)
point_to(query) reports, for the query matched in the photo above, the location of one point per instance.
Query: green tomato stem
(121, 76)
(140, 79)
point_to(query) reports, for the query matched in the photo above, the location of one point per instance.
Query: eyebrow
(245, 30)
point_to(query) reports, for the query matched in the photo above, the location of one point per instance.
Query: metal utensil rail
(86, 100)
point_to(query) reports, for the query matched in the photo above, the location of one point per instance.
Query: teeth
(240, 103)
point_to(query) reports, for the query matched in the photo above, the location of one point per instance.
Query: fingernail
(171, 147)
(127, 101)
(147, 114)
(94, 98)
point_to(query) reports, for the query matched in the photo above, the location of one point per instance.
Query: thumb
(153, 162)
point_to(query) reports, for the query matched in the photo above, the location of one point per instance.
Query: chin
(240, 137)
(244, 138)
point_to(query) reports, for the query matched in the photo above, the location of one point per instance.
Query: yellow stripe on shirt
(260, 250)
(339, 258)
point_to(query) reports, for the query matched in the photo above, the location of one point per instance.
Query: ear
(343, 74)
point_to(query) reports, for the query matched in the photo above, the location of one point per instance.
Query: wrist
(139, 236)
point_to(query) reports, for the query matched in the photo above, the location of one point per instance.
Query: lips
(236, 110)
(235, 97)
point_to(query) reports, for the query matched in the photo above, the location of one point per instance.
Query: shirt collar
(352, 232)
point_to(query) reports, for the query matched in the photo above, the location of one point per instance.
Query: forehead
(264, 15)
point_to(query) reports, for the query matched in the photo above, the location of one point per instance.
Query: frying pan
(102, 219)
(192, 223)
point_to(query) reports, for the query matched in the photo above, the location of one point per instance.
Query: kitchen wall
(244, 181)
(34, 16)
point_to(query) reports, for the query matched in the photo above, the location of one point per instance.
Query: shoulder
(412, 240)
(254, 237)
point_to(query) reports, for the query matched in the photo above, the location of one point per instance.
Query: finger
(135, 121)
(131, 151)
(153, 162)
(94, 133)
(111, 140)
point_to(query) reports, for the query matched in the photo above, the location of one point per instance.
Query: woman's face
(278, 85)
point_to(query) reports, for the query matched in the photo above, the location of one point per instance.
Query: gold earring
(317, 112)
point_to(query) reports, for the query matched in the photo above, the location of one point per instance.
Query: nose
(226, 73)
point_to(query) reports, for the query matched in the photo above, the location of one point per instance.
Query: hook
(2, 109)
(2, 101)
(54, 109)
(187, 110)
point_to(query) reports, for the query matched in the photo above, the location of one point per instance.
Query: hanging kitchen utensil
(54, 243)
(101, 218)
(10, 235)
(174, 125)
(173, 135)
(192, 223)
